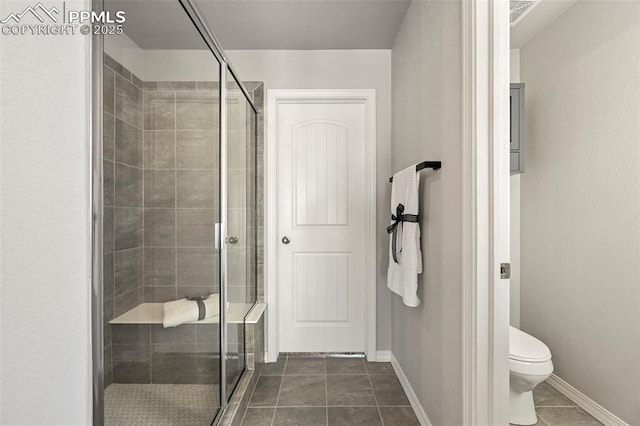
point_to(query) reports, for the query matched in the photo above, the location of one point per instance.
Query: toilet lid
(526, 348)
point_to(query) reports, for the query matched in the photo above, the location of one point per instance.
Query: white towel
(182, 311)
(402, 277)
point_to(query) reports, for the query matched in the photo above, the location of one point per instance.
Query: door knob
(232, 240)
(285, 240)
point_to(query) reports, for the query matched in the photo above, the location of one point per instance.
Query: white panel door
(321, 206)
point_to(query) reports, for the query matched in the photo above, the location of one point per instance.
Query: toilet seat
(527, 349)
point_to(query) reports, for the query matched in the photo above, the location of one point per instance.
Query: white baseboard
(383, 356)
(583, 401)
(413, 398)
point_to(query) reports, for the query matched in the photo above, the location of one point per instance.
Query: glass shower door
(240, 241)
(162, 134)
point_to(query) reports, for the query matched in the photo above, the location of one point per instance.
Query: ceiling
(536, 19)
(266, 24)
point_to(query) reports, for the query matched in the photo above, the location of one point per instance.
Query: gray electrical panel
(516, 140)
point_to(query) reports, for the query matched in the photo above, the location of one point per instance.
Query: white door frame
(367, 97)
(485, 80)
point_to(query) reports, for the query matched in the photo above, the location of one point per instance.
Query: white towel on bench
(182, 311)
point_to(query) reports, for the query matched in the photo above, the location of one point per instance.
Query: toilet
(529, 364)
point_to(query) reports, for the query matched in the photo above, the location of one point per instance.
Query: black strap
(398, 218)
(202, 310)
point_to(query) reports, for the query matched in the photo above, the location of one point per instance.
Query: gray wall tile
(106, 333)
(196, 227)
(108, 85)
(208, 85)
(237, 267)
(108, 278)
(128, 228)
(198, 188)
(128, 271)
(116, 66)
(197, 149)
(159, 149)
(160, 267)
(196, 111)
(108, 181)
(237, 189)
(174, 335)
(172, 86)
(108, 314)
(149, 85)
(159, 111)
(159, 188)
(187, 291)
(159, 294)
(237, 149)
(108, 136)
(208, 334)
(128, 102)
(130, 334)
(128, 144)
(197, 267)
(136, 81)
(237, 294)
(159, 227)
(131, 364)
(108, 232)
(127, 301)
(108, 367)
(128, 186)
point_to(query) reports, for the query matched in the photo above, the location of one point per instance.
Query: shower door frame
(96, 54)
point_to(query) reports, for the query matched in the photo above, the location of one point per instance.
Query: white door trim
(276, 96)
(485, 81)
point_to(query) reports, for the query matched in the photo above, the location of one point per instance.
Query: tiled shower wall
(181, 196)
(160, 182)
(123, 181)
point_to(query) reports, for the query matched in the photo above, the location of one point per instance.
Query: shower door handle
(217, 237)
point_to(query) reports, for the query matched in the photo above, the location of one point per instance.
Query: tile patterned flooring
(159, 405)
(328, 390)
(306, 390)
(553, 409)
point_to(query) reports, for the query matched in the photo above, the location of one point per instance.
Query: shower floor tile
(156, 405)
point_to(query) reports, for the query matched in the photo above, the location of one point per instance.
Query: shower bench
(196, 341)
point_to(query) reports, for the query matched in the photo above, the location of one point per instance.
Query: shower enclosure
(175, 217)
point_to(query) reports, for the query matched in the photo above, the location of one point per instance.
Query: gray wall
(427, 123)
(581, 200)
(45, 223)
